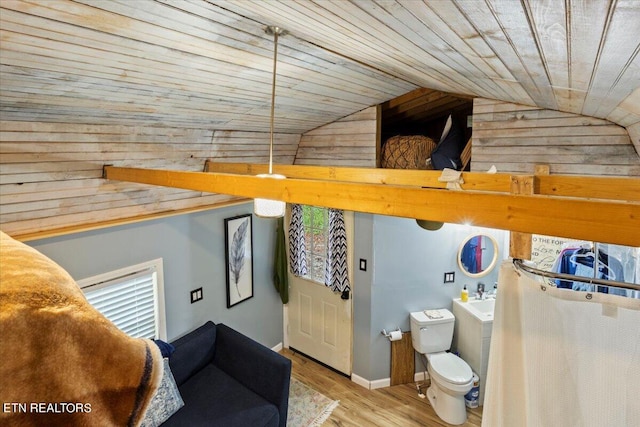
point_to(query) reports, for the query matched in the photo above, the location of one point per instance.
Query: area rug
(307, 407)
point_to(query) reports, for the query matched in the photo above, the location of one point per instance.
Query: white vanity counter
(472, 335)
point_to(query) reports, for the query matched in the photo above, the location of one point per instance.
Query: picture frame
(238, 242)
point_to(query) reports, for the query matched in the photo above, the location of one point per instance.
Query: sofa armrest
(257, 367)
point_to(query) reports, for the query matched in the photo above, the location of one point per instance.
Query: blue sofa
(227, 379)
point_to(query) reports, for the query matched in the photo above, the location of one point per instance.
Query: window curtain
(336, 273)
(297, 247)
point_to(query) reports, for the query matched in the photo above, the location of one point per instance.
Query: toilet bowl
(451, 378)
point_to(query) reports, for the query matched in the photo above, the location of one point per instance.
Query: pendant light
(264, 207)
(430, 225)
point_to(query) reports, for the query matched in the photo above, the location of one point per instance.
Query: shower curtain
(561, 358)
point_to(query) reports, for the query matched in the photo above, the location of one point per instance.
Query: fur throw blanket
(61, 362)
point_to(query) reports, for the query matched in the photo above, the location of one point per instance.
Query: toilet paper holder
(394, 335)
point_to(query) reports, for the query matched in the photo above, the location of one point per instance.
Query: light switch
(196, 295)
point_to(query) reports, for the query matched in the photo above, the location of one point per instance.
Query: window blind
(130, 302)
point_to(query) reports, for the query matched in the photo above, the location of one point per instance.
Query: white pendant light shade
(266, 208)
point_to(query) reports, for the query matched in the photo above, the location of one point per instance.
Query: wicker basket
(407, 152)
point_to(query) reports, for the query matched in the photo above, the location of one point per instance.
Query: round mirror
(478, 255)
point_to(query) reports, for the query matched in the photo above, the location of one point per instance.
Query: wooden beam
(411, 177)
(609, 188)
(602, 221)
(520, 243)
(614, 188)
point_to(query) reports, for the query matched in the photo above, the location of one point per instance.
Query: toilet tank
(432, 330)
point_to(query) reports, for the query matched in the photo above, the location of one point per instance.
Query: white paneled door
(319, 320)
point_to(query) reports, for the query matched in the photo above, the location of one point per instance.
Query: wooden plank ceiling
(207, 63)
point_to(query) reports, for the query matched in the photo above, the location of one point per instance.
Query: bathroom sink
(483, 306)
(481, 309)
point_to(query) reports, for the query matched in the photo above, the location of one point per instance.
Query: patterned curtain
(297, 247)
(336, 276)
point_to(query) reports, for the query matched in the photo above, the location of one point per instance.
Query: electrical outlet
(363, 264)
(196, 295)
(450, 277)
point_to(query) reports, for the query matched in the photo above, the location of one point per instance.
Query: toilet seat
(449, 368)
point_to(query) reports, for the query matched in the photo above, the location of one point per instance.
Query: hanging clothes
(479, 249)
(280, 274)
(583, 271)
(470, 255)
(580, 261)
(545, 371)
(562, 265)
(613, 271)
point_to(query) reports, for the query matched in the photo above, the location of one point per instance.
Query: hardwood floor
(391, 406)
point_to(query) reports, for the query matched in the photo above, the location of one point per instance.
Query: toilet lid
(451, 368)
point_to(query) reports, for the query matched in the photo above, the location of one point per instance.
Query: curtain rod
(572, 277)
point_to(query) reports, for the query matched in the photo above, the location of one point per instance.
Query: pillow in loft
(447, 153)
(407, 152)
(447, 128)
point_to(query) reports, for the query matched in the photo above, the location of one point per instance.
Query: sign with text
(545, 250)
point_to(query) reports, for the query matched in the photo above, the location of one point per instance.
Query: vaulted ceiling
(208, 63)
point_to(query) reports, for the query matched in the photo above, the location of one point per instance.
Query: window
(316, 230)
(132, 298)
(318, 246)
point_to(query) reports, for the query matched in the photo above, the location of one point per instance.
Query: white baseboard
(277, 348)
(370, 385)
(360, 381)
(385, 382)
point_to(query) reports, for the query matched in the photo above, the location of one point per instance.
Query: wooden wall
(515, 137)
(634, 134)
(51, 173)
(627, 114)
(253, 147)
(350, 141)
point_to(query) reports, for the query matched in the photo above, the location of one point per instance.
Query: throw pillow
(165, 348)
(447, 153)
(447, 128)
(165, 402)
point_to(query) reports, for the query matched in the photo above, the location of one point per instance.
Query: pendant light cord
(276, 31)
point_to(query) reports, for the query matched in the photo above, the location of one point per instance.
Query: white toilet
(451, 377)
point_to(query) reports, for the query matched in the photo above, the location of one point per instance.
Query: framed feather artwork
(239, 258)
